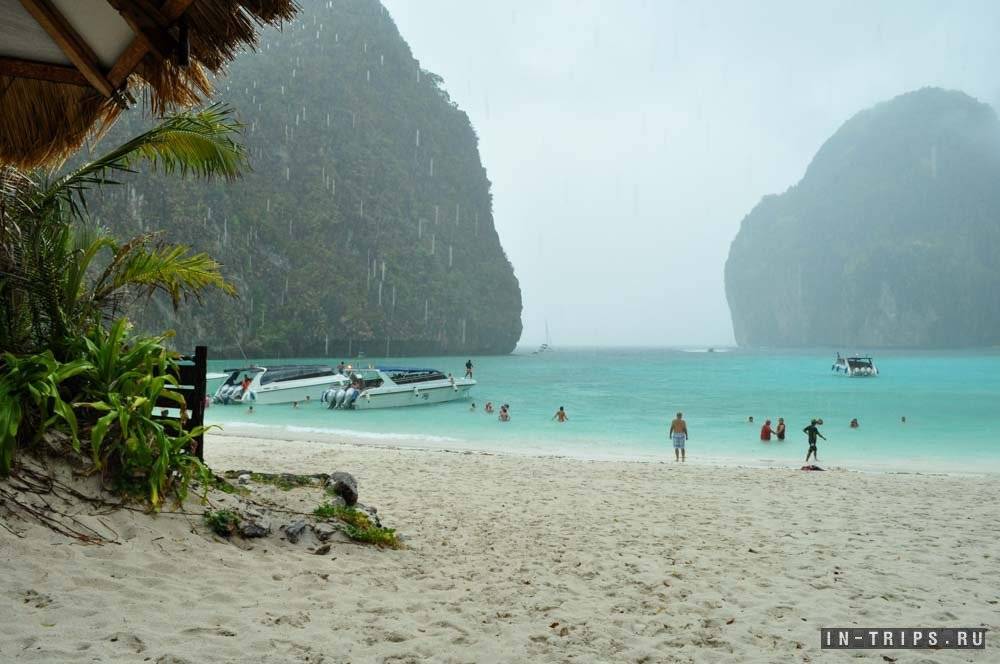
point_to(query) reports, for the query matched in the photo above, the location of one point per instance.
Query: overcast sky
(626, 139)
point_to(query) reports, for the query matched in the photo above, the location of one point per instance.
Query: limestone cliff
(890, 239)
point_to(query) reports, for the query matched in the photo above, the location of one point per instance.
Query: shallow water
(620, 403)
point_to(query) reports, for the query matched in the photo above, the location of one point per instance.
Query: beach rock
(254, 527)
(244, 479)
(344, 485)
(295, 531)
(333, 499)
(324, 531)
(323, 550)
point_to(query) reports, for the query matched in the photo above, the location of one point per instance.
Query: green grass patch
(358, 526)
(222, 522)
(374, 535)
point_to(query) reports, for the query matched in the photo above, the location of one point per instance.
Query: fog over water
(626, 139)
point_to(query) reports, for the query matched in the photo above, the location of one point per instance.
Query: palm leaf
(202, 143)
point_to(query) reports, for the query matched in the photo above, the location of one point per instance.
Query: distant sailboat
(547, 346)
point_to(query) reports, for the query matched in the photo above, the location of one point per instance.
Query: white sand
(514, 559)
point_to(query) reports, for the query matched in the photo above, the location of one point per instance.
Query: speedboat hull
(278, 385)
(313, 389)
(401, 396)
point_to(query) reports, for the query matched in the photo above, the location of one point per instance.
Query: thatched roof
(69, 67)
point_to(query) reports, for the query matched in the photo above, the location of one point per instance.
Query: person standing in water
(766, 431)
(812, 432)
(560, 415)
(780, 431)
(679, 435)
(468, 369)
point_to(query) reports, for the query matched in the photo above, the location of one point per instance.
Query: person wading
(679, 435)
(812, 432)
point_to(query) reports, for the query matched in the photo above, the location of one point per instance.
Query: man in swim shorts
(812, 432)
(679, 434)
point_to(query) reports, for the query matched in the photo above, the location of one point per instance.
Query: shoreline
(419, 442)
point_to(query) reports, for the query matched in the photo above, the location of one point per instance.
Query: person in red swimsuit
(765, 431)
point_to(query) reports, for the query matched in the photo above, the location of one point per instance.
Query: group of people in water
(504, 416)
(678, 433)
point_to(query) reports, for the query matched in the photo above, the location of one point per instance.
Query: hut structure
(68, 68)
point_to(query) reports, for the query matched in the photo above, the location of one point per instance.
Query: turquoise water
(620, 403)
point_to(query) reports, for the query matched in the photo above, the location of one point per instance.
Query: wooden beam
(148, 24)
(74, 46)
(42, 71)
(170, 10)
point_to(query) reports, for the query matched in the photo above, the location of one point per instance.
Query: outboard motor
(328, 395)
(351, 397)
(341, 394)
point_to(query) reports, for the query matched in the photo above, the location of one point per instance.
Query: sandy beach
(516, 559)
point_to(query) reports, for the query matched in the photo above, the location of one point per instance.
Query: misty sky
(626, 139)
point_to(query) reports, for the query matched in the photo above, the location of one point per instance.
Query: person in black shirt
(812, 432)
(468, 369)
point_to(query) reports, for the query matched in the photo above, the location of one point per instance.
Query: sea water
(620, 403)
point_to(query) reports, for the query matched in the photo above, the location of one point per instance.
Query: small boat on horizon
(857, 366)
(278, 384)
(545, 347)
(395, 387)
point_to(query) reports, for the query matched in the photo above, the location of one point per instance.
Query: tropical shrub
(124, 380)
(31, 402)
(61, 274)
(64, 284)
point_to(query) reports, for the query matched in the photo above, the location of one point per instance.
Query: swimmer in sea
(560, 415)
(472, 408)
(489, 408)
(780, 431)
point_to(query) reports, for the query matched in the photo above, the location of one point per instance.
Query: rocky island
(889, 239)
(366, 224)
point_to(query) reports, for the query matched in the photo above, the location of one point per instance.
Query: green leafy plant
(222, 522)
(64, 285)
(31, 403)
(61, 274)
(125, 380)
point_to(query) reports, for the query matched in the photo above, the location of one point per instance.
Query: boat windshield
(367, 378)
(859, 362)
(282, 374)
(411, 376)
(236, 375)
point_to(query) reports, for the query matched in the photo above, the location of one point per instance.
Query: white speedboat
(855, 366)
(281, 384)
(394, 387)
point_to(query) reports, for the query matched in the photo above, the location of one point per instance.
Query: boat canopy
(296, 372)
(406, 370)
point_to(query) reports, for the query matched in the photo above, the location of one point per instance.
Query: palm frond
(170, 269)
(200, 143)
